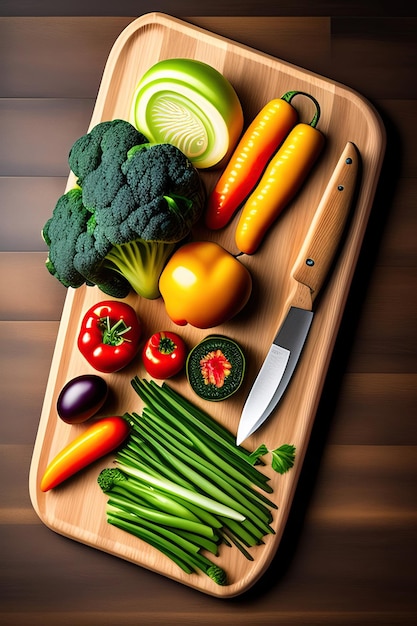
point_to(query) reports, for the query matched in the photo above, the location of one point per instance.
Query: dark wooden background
(348, 556)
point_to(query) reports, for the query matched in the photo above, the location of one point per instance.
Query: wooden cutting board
(77, 508)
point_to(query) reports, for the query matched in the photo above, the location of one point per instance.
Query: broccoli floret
(108, 143)
(61, 233)
(73, 256)
(138, 202)
(109, 478)
(217, 573)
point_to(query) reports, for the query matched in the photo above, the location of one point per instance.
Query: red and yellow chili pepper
(280, 182)
(104, 436)
(249, 159)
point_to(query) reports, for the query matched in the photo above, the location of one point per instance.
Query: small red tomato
(109, 335)
(164, 355)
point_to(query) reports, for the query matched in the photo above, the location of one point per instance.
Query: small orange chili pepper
(102, 437)
(281, 180)
(249, 159)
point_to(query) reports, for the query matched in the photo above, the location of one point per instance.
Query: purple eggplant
(81, 398)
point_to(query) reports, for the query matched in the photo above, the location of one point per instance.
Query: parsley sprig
(283, 458)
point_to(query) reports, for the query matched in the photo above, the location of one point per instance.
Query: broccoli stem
(141, 263)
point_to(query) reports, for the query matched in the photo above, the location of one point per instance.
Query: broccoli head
(135, 204)
(161, 198)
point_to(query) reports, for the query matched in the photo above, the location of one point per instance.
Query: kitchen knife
(309, 273)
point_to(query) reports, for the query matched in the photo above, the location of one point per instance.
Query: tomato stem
(164, 344)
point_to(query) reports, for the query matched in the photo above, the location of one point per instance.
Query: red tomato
(109, 335)
(164, 355)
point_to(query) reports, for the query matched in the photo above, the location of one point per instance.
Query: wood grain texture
(345, 117)
(334, 565)
(231, 7)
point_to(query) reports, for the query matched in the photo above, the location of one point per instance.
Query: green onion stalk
(181, 484)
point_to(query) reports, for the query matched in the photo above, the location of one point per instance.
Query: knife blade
(309, 273)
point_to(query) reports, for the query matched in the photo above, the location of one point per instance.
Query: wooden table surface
(348, 555)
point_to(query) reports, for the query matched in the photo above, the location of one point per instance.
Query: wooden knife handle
(324, 234)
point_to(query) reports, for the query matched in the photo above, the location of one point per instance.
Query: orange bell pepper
(204, 285)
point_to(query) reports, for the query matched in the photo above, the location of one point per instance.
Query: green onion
(207, 479)
(193, 496)
(184, 553)
(162, 518)
(183, 486)
(200, 453)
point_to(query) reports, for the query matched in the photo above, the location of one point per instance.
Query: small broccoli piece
(216, 573)
(61, 233)
(109, 478)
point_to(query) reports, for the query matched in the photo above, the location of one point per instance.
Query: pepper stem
(113, 335)
(291, 94)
